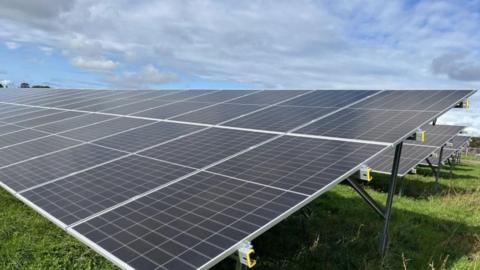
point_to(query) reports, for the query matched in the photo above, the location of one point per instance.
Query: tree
(24, 85)
(40, 86)
(1, 85)
(475, 142)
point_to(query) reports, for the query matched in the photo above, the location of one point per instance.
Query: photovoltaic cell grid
(378, 119)
(279, 118)
(76, 197)
(147, 136)
(412, 155)
(460, 141)
(299, 164)
(53, 166)
(19, 137)
(438, 135)
(33, 148)
(185, 225)
(107, 128)
(206, 147)
(312, 166)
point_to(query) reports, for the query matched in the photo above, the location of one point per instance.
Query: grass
(430, 229)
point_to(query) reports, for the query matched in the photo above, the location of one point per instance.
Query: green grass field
(430, 229)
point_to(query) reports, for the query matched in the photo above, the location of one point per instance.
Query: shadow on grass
(343, 233)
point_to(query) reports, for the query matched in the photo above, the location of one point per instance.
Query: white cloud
(262, 43)
(94, 64)
(148, 75)
(12, 45)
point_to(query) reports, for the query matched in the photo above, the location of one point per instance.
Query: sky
(269, 44)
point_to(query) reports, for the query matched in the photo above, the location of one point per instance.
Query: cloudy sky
(273, 44)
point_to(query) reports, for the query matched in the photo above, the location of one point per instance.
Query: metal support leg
(451, 167)
(434, 171)
(391, 191)
(439, 165)
(367, 198)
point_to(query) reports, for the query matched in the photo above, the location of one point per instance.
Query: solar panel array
(415, 152)
(178, 179)
(457, 144)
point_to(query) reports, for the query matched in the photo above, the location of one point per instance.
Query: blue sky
(257, 44)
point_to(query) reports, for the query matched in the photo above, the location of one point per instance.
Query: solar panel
(4, 129)
(183, 95)
(300, 164)
(20, 136)
(138, 106)
(28, 115)
(73, 123)
(426, 100)
(438, 135)
(20, 152)
(107, 128)
(412, 155)
(147, 136)
(170, 110)
(268, 97)
(206, 147)
(221, 96)
(217, 113)
(81, 195)
(330, 98)
(53, 166)
(375, 125)
(279, 118)
(106, 105)
(49, 118)
(460, 141)
(187, 224)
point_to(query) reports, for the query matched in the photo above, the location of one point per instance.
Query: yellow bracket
(369, 174)
(423, 136)
(250, 262)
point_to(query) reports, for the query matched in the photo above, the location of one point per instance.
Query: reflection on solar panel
(206, 171)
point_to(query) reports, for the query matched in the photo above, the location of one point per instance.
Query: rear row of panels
(318, 113)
